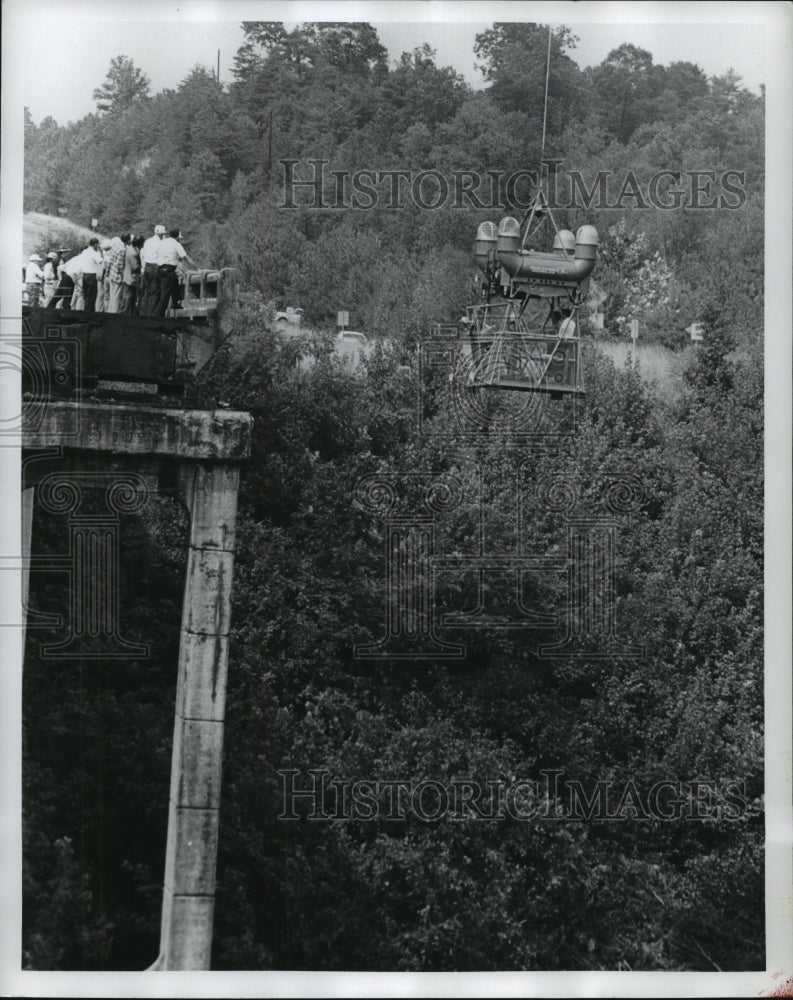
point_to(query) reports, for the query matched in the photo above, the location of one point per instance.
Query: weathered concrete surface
(209, 435)
(195, 454)
(210, 527)
(210, 493)
(198, 746)
(189, 920)
(207, 656)
(207, 596)
(196, 830)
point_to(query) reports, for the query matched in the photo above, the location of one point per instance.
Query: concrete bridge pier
(195, 454)
(210, 495)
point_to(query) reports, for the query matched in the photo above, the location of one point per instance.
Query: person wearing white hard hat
(33, 279)
(149, 260)
(171, 255)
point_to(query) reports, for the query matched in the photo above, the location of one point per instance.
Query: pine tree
(124, 85)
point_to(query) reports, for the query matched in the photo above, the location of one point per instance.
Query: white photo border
(20, 18)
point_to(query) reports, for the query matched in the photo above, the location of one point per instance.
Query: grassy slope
(656, 363)
(37, 229)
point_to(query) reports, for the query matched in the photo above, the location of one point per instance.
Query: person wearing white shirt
(71, 274)
(92, 266)
(149, 259)
(567, 328)
(33, 279)
(64, 254)
(566, 323)
(50, 277)
(74, 267)
(171, 254)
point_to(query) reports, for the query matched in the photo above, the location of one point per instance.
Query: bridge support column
(210, 494)
(199, 452)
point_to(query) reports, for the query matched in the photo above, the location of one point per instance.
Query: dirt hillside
(37, 230)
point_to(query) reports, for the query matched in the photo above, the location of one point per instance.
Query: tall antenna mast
(539, 204)
(545, 106)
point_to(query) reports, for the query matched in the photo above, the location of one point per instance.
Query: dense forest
(631, 892)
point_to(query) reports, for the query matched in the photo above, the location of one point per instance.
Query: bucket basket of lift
(500, 352)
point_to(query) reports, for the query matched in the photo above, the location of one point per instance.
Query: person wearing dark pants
(132, 276)
(150, 259)
(167, 287)
(171, 254)
(92, 265)
(148, 290)
(90, 287)
(71, 279)
(63, 293)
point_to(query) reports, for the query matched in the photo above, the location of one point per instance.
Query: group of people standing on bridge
(126, 274)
